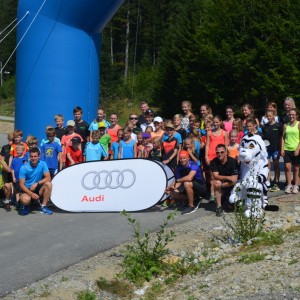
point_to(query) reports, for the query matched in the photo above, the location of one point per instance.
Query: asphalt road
(35, 246)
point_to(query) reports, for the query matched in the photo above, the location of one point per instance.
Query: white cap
(158, 119)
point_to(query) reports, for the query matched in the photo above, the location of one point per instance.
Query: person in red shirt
(74, 154)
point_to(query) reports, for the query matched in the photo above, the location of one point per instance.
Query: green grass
(86, 295)
(247, 258)
(7, 107)
(116, 287)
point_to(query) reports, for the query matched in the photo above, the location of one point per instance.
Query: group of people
(201, 149)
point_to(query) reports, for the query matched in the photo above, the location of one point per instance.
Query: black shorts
(289, 157)
(2, 195)
(17, 187)
(36, 191)
(199, 189)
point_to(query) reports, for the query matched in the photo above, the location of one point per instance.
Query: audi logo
(108, 179)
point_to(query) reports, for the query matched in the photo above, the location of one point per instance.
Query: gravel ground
(6, 127)
(274, 277)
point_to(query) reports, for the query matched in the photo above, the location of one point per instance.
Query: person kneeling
(225, 174)
(189, 182)
(35, 183)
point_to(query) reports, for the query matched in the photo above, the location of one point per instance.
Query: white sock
(7, 201)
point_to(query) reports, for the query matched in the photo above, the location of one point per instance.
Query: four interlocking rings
(107, 182)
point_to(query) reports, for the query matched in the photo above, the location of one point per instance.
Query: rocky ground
(269, 272)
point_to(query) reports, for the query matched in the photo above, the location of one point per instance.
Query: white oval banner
(106, 186)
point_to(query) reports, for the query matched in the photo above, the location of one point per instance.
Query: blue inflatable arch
(58, 59)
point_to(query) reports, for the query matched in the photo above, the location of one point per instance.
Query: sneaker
(7, 207)
(295, 189)
(212, 199)
(288, 189)
(274, 188)
(46, 211)
(189, 210)
(219, 211)
(24, 210)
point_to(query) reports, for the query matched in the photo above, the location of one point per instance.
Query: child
(195, 135)
(248, 112)
(5, 150)
(112, 130)
(233, 146)
(16, 165)
(177, 121)
(170, 147)
(32, 142)
(215, 137)
(272, 132)
(205, 110)
(104, 138)
(74, 154)
(5, 155)
(155, 152)
(229, 110)
(5, 188)
(115, 145)
(100, 118)
(127, 147)
(81, 126)
(270, 106)
(237, 125)
(186, 107)
(17, 136)
(149, 129)
(94, 150)
(252, 127)
(60, 130)
(66, 140)
(140, 145)
(189, 146)
(51, 152)
(45, 141)
(158, 124)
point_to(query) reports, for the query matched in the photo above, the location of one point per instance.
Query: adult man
(5, 188)
(225, 174)
(189, 182)
(35, 183)
(144, 107)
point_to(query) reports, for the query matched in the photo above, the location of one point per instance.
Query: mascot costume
(252, 187)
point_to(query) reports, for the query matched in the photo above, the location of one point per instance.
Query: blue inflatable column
(58, 59)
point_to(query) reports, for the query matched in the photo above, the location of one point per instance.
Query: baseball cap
(75, 140)
(158, 119)
(146, 135)
(183, 154)
(149, 112)
(71, 123)
(169, 125)
(101, 125)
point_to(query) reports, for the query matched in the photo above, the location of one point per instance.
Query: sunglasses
(133, 118)
(220, 152)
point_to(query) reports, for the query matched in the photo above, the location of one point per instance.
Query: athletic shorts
(36, 191)
(289, 157)
(273, 155)
(199, 189)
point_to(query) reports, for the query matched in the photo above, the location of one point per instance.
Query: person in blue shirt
(51, 152)
(189, 182)
(35, 183)
(94, 150)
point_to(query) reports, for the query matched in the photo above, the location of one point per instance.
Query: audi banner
(111, 186)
